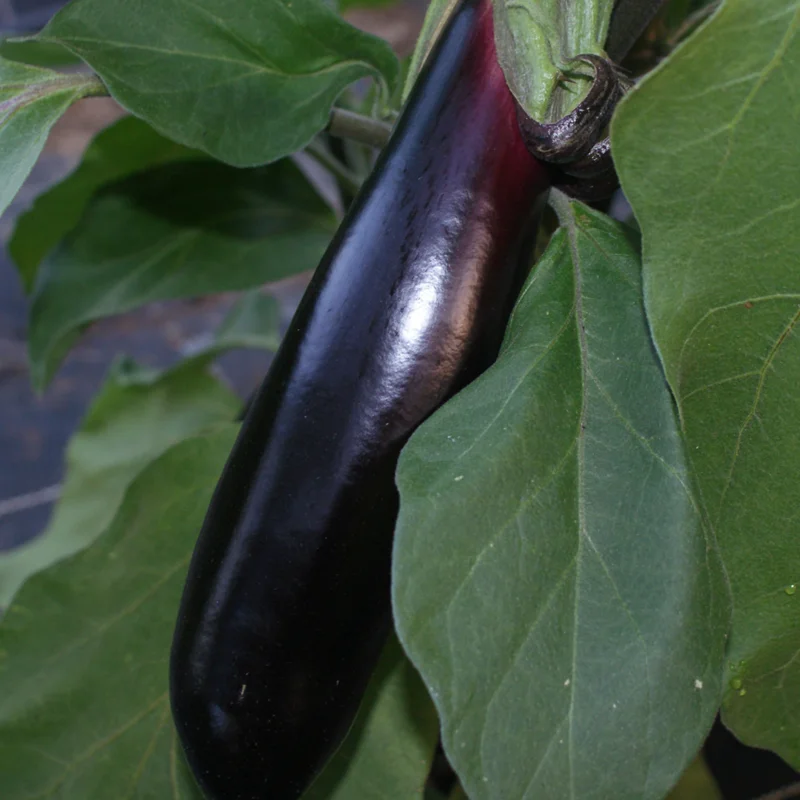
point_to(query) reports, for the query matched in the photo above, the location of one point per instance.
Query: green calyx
(536, 40)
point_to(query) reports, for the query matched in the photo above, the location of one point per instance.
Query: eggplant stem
(572, 136)
(349, 125)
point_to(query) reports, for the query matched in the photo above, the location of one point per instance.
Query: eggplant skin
(287, 604)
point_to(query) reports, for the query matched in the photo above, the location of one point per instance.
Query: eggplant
(287, 604)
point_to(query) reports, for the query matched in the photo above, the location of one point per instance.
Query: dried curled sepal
(572, 137)
(589, 190)
(595, 163)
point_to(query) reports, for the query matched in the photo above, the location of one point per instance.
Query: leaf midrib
(338, 65)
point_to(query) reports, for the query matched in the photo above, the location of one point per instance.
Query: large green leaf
(388, 752)
(707, 152)
(133, 420)
(124, 148)
(28, 51)
(138, 414)
(180, 230)
(32, 100)
(254, 321)
(84, 709)
(552, 580)
(248, 82)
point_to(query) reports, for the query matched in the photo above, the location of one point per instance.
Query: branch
(22, 502)
(348, 125)
(348, 179)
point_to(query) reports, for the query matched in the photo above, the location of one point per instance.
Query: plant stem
(95, 87)
(348, 125)
(690, 23)
(24, 502)
(349, 180)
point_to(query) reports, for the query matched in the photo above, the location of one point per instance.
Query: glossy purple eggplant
(286, 606)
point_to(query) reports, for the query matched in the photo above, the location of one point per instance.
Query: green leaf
(707, 153)
(536, 38)
(388, 752)
(32, 100)
(28, 51)
(436, 17)
(697, 783)
(552, 580)
(124, 148)
(254, 321)
(138, 414)
(133, 420)
(180, 230)
(84, 708)
(248, 82)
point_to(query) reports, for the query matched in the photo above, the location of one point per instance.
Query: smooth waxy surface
(287, 601)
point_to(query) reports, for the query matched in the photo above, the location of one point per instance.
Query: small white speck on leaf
(566, 682)
(458, 478)
(698, 684)
(242, 691)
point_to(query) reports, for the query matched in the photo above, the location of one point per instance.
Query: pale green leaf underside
(84, 708)
(136, 417)
(32, 100)
(552, 581)
(536, 38)
(707, 152)
(246, 82)
(131, 422)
